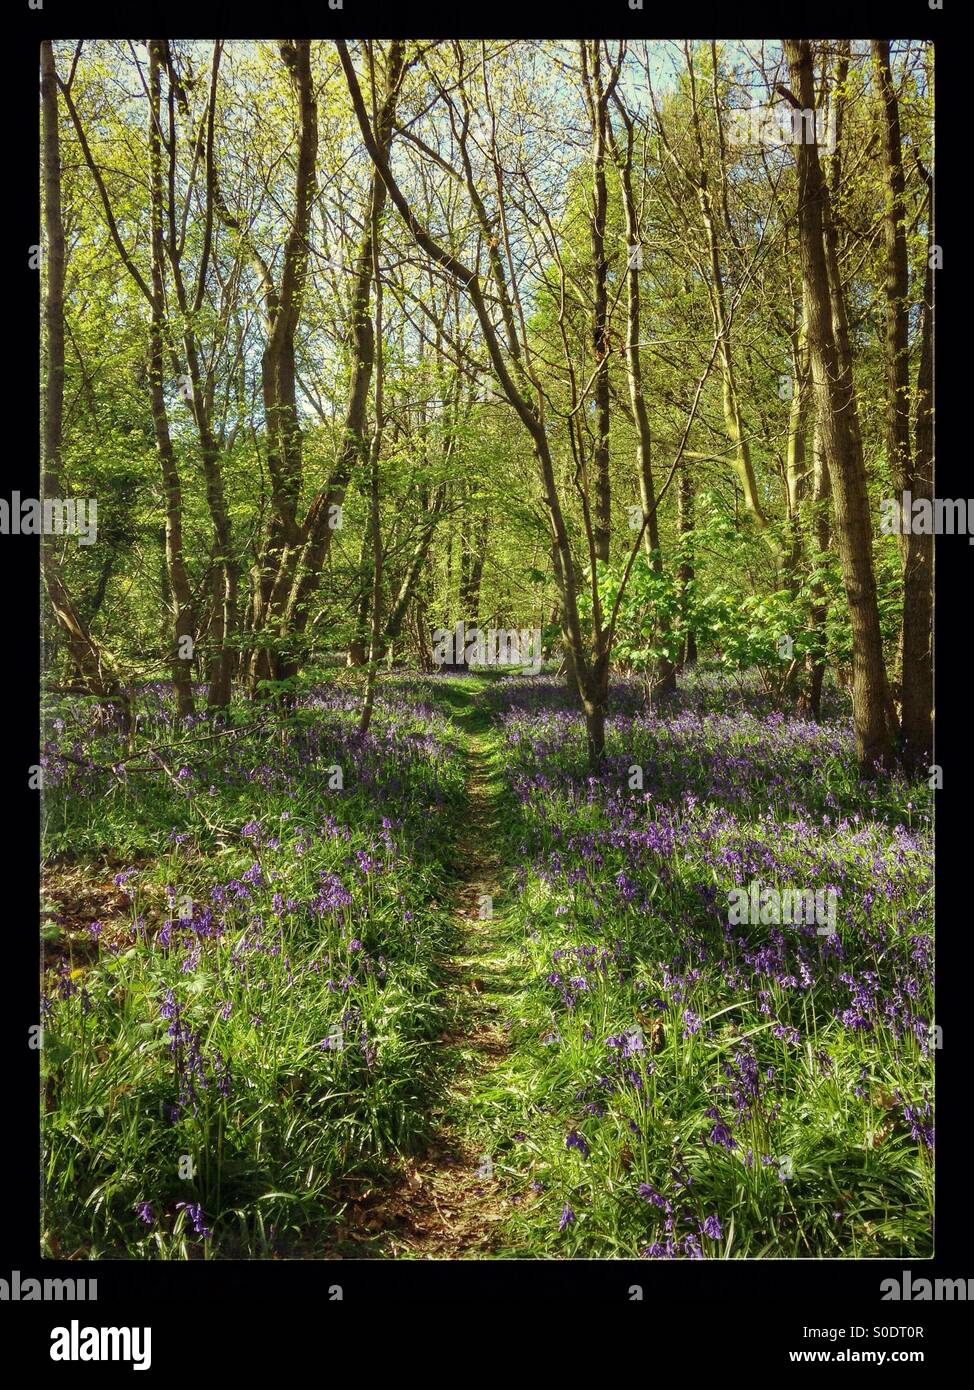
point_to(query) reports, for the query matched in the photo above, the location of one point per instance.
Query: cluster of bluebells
(677, 1212)
(624, 882)
(583, 969)
(195, 1072)
(194, 1213)
(301, 914)
(918, 1118)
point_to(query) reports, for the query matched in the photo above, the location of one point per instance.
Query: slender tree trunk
(300, 567)
(571, 671)
(910, 472)
(591, 58)
(835, 401)
(357, 647)
(420, 607)
(685, 569)
(226, 575)
(414, 569)
(796, 468)
(840, 316)
(87, 656)
(917, 639)
(897, 286)
(819, 508)
(376, 631)
(476, 552)
(733, 419)
(181, 592)
(283, 306)
(664, 682)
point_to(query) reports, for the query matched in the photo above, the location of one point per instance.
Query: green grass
(268, 1159)
(825, 1160)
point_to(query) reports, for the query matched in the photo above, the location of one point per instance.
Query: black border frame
(820, 1292)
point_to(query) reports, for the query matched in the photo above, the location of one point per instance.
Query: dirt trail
(447, 1203)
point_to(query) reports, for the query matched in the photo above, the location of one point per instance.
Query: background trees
(635, 379)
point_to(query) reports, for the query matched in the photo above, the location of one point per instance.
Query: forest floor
(446, 1202)
(450, 1060)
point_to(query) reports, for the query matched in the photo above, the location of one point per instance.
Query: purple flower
(629, 1042)
(195, 1213)
(920, 1120)
(711, 1228)
(720, 1134)
(576, 1141)
(660, 1251)
(650, 1194)
(145, 1213)
(567, 1217)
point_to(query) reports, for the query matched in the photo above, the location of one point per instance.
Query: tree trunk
(358, 646)
(300, 566)
(595, 733)
(664, 681)
(375, 637)
(283, 304)
(836, 411)
(685, 572)
(897, 286)
(796, 468)
(597, 100)
(473, 570)
(733, 420)
(226, 576)
(414, 569)
(910, 473)
(179, 586)
(85, 653)
(571, 672)
(917, 639)
(819, 507)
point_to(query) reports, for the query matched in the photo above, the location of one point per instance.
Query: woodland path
(447, 1201)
